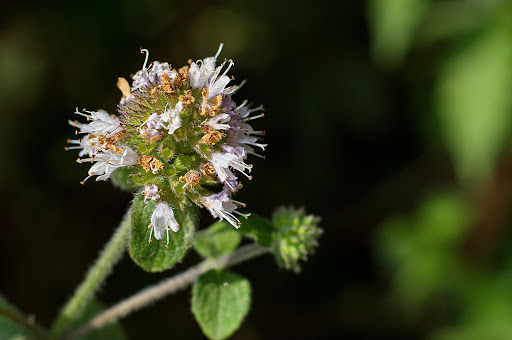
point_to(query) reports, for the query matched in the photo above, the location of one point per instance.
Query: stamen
(241, 105)
(86, 178)
(241, 204)
(258, 155)
(262, 146)
(219, 50)
(150, 233)
(231, 63)
(254, 117)
(67, 148)
(241, 214)
(242, 83)
(143, 50)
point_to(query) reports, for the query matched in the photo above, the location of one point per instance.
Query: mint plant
(180, 143)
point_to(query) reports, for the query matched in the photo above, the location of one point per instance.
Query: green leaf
(10, 330)
(220, 302)
(474, 101)
(258, 228)
(394, 24)
(219, 239)
(121, 178)
(155, 256)
(112, 331)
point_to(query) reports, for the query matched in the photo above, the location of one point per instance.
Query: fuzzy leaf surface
(259, 228)
(219, 239)
(220, 302)
(155, 256)
(121, 178)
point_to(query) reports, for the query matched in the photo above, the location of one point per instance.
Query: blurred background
(389, 119)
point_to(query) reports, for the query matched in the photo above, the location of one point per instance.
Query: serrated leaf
(220, 302)
(219, 239)
(258, 228)
(111, 331)
(155, 256)
(10, 330)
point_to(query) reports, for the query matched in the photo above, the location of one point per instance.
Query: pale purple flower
(219, 121)
(151, 193)
(223, 207)
(230, 158)
(107, 161)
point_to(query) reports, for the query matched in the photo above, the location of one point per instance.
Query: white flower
(108, 161)
(222, 206)
(172, 117)
(219, 121)
(199, 75)
(217, 85)
(146, 78)
(101, 123)
(162, 220)
(207, 76)
(150, 129)
(151, 193)
(230, 158)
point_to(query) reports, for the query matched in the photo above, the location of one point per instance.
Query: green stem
(28, 323)
(164, 288)
(110, 255)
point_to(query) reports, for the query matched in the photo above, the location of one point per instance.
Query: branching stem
(169, 286)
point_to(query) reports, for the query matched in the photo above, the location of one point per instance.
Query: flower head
(181, 136)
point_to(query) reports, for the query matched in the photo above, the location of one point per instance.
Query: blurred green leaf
(155, 256)
(487, 311)
(450, 19)
(258, 228)
(422, 249)
(220, 302)
(219, 239)
(474, 101)
(393, 25)
(10, 330)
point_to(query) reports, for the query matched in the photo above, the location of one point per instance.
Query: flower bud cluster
(295, 237)
(180, 135)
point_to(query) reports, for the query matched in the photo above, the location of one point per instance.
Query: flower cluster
(181, 137)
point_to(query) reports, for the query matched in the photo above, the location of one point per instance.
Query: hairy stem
(28, 323)
(109, 256)
(164, 288)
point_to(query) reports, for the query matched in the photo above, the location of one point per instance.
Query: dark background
(352, 139)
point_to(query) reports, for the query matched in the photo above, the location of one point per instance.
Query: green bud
(295, 236)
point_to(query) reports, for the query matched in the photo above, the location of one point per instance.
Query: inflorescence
(180, 137)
